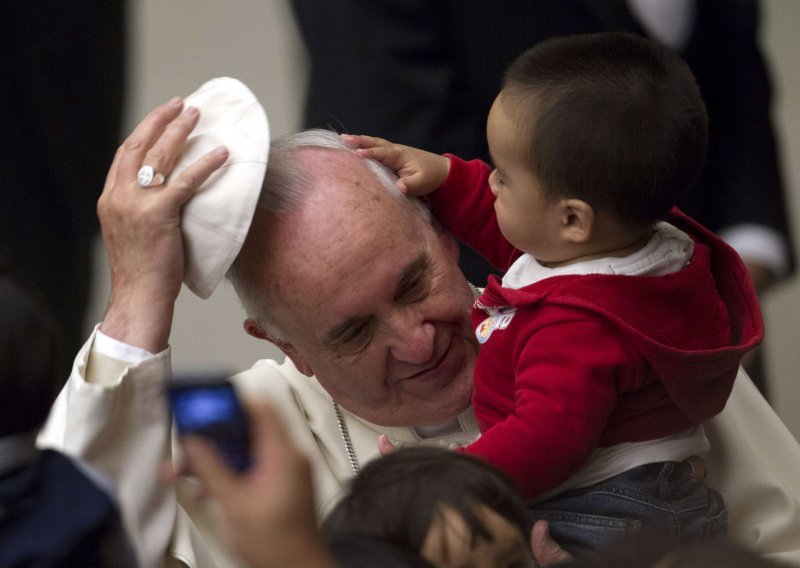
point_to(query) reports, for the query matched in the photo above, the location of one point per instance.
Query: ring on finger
(148, 177)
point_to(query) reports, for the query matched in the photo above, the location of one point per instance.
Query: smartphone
(206, 405)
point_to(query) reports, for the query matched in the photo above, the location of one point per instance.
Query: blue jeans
(664, 500)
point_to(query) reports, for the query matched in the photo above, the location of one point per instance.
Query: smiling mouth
(432, 371)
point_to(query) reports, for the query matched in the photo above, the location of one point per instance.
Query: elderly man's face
(371, 299)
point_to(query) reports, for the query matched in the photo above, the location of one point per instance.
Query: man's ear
(255, 329)
(577, 220)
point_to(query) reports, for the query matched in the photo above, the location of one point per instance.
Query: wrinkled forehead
(347, 222)
(345, 188)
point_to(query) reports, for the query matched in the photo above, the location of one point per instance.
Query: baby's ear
(577, 220)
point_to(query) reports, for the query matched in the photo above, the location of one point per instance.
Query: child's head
(612, 119)
(28, 357)
(445, 506)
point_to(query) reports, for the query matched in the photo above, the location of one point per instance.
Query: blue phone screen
(213, 411)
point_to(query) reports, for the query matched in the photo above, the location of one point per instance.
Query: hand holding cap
(215, 221)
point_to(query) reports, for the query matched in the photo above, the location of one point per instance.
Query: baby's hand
(419, 172)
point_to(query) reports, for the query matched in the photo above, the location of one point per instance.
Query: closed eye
(354, 335)
(415, 283)
(416, 291)
(351, 338)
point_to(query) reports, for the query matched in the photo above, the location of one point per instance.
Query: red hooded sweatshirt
(590, 361)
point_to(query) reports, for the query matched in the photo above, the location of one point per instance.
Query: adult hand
(763, 279)
(141, 225)
(268, 509)
(546, 551)
(761, 276)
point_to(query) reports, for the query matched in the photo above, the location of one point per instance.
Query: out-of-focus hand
(268, 509)
(546, 551)
(385, 446)
(761, 276)
(141, 225)
(419, 172)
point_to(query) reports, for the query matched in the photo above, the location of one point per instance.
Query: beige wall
(781, 43)
(179, 44)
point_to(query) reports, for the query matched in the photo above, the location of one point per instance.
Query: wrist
(140, 322)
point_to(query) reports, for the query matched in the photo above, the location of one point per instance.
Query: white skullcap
(216, 220)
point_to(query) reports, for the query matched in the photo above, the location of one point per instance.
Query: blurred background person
(63, 69)
(54, 511)
(424, 73)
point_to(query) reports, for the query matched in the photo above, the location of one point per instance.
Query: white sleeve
(113, 414)
(754, 463)
(110, 347)
(120, 424)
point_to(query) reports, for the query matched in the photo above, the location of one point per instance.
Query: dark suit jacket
(61, 94)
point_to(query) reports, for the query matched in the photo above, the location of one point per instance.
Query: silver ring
(148, 177)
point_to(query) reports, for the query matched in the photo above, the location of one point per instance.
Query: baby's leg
(665, 503)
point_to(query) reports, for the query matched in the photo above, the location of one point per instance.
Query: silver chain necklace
(348, 444)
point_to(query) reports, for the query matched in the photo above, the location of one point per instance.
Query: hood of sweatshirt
(693, 326)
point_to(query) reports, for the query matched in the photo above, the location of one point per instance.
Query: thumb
(413, 184)
(208, 465)
(546, 551)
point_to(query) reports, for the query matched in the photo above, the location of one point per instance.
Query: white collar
(667, 251)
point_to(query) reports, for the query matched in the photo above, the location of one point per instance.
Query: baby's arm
(419, 172)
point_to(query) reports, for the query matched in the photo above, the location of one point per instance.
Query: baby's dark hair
(397, 497)
(29, 356)
(613, 119)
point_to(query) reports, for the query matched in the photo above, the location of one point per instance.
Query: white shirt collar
(667, 251)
